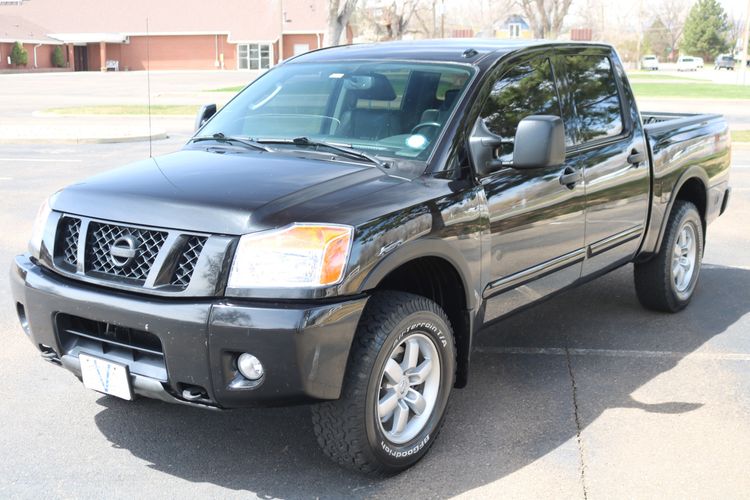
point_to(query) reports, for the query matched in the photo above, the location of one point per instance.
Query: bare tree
(545, 16)
(672, 14)
(339, 13)
(396, 18)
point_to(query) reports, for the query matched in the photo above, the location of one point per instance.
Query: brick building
(182, 34)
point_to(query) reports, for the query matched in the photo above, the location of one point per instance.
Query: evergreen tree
(18, 55)
(706, 30)
(58, 59)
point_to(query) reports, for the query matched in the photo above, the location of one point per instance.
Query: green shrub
(18, 55)
(58, 58)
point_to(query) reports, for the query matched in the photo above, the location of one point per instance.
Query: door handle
(570, 177)
(636, 157)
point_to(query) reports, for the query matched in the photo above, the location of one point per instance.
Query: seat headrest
(450, 98)
(380, 90)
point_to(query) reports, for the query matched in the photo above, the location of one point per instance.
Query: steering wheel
(435, 125)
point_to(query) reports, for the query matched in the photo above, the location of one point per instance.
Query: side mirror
(206, 112)
(540, 142)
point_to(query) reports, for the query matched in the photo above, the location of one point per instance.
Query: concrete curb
(84, 140)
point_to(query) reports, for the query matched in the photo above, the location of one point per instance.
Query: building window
(515, 30)
(253, 56)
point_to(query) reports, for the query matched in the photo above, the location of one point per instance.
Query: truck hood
(222, 192)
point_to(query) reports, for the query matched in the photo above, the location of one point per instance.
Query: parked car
(699, 62)
(340, 231)
(687, 63)
(725, 61)
(650, 63)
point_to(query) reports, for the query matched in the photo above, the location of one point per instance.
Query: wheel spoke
(419, 374)
(393, 372)
(400, 418)
(415, 401)
(387, 404)
(679, 277)
(411, 354)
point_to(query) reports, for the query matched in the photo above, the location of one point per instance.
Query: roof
(515, 19)
(446, 50)
(18, 29)
(242, 20)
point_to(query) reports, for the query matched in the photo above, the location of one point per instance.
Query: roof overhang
(89, 37)
(30, 41)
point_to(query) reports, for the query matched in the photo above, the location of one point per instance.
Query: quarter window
(596, 99)
(253, 56)
(527, 89)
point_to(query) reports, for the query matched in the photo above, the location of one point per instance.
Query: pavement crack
(574, 391)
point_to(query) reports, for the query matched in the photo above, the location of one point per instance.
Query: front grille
(100, 240)
(140, 350)
(69, 230)
(133, 257)
(188, 260)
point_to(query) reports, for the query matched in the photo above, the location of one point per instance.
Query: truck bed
(683, 145)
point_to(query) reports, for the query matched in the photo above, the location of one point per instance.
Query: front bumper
(304, 347)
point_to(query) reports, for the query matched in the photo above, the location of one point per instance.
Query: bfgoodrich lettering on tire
(399, 378)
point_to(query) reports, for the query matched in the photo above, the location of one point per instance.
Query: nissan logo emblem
(123, 250)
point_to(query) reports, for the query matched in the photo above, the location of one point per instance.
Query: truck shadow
(517, 408)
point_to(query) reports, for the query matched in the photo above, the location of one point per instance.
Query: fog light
(249, 366)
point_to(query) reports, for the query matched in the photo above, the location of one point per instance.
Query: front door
(81, 58)
(536, 222)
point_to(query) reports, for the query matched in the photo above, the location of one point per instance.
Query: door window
(595, 96)
(527, 89)
(253, 56)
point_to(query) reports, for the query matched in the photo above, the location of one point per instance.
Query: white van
(687, 63)
(650, 63)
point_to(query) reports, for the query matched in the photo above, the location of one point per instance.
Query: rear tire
(396, 389)
(667, 281)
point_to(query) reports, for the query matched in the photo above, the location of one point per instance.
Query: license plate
(105, 376)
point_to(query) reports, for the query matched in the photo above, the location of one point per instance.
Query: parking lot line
(42, 160)
(615, 353)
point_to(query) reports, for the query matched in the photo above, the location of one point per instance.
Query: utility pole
(442, 18)
(745, 38)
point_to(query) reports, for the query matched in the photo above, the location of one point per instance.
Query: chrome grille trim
(164, 263)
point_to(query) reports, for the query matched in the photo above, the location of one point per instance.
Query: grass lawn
(651, 76)
(233, 90)
(697, 90)
(740, 135)
(129, 109)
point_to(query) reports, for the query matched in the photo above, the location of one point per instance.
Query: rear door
(609, 146)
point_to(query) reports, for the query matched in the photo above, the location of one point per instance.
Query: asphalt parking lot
(584, 396)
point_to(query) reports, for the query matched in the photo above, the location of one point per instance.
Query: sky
(735, 7)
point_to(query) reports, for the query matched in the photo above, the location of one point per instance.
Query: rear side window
(527, 89)
(596, 99)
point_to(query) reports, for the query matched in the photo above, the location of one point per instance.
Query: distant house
(37, 44)
(514, 26)
(182, 34)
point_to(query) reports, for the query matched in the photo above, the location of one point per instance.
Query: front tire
(396, 389)
(667, 281)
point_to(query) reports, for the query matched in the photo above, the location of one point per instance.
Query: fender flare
(424, 247)
(694, 172)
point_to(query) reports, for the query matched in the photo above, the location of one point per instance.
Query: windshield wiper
(341, 150)
(220, 137)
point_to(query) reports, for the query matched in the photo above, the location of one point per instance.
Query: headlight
(295, 256)
(37, 233)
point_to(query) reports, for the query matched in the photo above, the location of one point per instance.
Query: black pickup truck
(339, 232)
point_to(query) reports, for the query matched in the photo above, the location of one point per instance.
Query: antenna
(148, 86)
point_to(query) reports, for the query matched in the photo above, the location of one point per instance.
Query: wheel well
(695, 192)
(438, 280)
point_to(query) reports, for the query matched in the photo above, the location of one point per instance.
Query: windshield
(393, 109)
